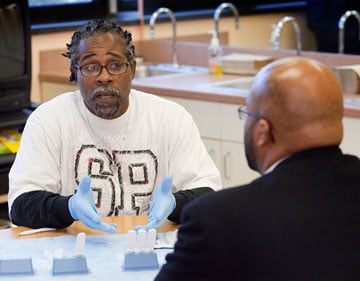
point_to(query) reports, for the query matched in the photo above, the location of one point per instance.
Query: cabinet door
(214, 149)
(351, 141)
(235, 167)
(234, 163)
(232, 128)
(207, 116)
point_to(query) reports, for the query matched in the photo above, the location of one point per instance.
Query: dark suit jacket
(299, 222)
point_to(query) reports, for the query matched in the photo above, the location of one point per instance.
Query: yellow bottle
(215, 55)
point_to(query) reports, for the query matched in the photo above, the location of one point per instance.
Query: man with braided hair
(106, 149)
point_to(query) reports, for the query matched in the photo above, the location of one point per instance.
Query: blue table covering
(104, 255)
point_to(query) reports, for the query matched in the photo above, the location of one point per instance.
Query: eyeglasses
(243, 113)
(94, 69)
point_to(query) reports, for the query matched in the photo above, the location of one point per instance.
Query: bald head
(302, 103)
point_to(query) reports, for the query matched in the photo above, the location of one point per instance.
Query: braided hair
(95, 28)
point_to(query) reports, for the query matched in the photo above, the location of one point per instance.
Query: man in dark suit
(301, 219)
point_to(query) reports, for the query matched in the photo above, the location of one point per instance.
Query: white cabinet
(222, 133)
(207, 116)
(235, 168)
(351, 140)
(214, 149)
(230, 159)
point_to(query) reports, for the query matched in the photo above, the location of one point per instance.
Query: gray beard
(107, 112)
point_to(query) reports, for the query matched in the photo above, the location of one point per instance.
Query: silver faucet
(218, 11)
(341, 25)
(275, 35)
(152, 31)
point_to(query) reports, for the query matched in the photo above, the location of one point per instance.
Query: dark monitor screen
(12, 44)
(244, 6)
(15, 55)
(150, 6)
(56, 11)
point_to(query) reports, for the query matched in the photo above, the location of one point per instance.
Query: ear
(133, 68)
(263, 133)
(73, 74)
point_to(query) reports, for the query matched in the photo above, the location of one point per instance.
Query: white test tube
(80, 244)
(141, 240)
(132, 240)
(150, 240)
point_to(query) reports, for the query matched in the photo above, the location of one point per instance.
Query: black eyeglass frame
(243, 113)
(102, 67)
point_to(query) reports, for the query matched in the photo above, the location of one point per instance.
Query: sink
(237, 85)
(152, 70)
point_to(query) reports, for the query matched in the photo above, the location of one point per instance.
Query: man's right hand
(82, 207)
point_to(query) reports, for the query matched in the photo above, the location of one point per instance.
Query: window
(55, 11)
(244, 6)
(35, 3)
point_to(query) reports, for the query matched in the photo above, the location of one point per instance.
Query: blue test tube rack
(16, 266)
(141, 261)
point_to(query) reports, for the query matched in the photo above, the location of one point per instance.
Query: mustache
(106, 89)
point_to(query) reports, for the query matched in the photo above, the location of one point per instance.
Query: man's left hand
(162, 205)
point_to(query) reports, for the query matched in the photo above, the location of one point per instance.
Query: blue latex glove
(82, 207)
(162, 205)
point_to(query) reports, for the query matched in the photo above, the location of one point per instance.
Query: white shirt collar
(273, 166)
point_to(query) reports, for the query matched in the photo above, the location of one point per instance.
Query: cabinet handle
(227, 165)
